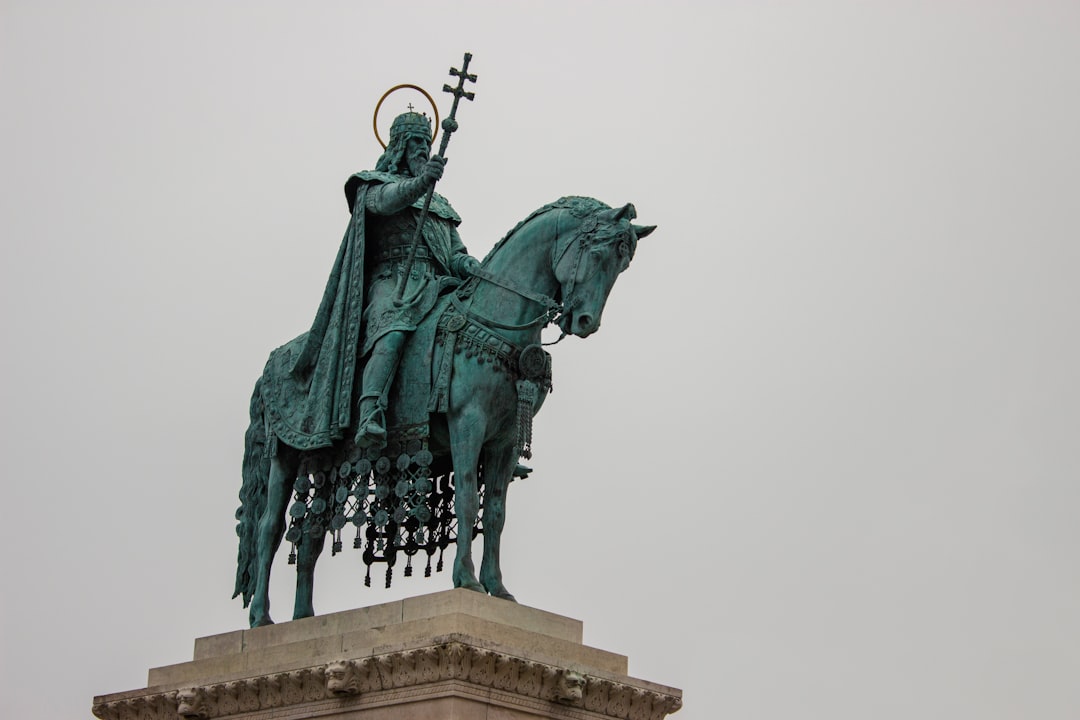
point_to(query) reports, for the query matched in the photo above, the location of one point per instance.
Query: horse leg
(271, 529)
(498, 469)
(308, 551)
(466, 438)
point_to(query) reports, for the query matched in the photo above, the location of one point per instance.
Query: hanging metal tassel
(527, 393)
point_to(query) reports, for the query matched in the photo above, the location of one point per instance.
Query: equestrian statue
(402, 413)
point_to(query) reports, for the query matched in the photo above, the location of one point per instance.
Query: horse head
(588, 263)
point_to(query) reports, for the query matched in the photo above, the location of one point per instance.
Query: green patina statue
(404, 409)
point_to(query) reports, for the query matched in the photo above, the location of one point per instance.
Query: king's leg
(379, 371)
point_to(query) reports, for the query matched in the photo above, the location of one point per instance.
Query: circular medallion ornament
(403, 86)
(342, 494)
(318, 506)
(532, 363)
(382, 466)
(344, 469)
(455, 322)
(423, 458)
(422, 513)
(413, 446)
(399, 515)
(362, 466)
(402, 488)
(381, 518)
(403, 462)
(423, 486)
(298, 509)
(319, 479)
(358, 519)
(382, 491)
(293, 534)
(337, 522)
(316, 528)
(302, 485)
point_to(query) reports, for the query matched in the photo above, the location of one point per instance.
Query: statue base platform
(453, 655)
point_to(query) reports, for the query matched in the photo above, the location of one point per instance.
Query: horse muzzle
(580, 324)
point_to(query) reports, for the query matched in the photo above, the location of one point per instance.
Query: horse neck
(523, 261)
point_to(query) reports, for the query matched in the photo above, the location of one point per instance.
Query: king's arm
(461, 262)
(393, 197)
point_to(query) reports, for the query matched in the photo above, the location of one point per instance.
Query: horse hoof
(499, 591)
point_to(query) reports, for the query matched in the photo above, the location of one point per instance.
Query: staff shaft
(449, 126)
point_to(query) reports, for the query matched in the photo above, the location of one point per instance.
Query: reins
(553, 311)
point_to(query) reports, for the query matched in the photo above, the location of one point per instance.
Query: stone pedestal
(453, 655)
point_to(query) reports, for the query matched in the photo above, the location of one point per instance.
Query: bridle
(553, 311)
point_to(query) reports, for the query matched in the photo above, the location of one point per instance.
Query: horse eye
(624, 249)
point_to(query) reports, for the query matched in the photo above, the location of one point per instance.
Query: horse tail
(256, 475)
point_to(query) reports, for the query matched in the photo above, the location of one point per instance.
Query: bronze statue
(404, 410)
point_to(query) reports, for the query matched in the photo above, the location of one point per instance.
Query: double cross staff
(449, 125)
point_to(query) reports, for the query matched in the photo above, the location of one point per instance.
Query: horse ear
(627, 211)
(643, 230)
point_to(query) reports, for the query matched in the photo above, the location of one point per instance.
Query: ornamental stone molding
(351, 678)
(451, 655)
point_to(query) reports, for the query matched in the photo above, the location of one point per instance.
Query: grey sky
(820, 462)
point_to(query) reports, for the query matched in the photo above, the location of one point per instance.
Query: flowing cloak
(307, 386)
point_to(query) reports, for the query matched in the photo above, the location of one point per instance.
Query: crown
(411, 124)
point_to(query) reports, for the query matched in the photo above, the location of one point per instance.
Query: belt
(401, 252)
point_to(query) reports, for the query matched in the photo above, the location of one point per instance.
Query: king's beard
(416, 161)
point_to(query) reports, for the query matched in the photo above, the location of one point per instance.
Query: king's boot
(378, 374)
(371, 429)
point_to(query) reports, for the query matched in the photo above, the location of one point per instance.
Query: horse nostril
(585, 322)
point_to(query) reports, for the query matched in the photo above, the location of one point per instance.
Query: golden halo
(422, 91)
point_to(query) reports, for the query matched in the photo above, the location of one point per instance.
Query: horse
(557, 266)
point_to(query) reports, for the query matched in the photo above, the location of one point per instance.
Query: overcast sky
(821, 460)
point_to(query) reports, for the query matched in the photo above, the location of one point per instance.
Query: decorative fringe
(527, 392)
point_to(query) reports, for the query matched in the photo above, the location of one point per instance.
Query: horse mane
(578, 206)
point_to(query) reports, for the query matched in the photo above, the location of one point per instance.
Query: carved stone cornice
(514, 680)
